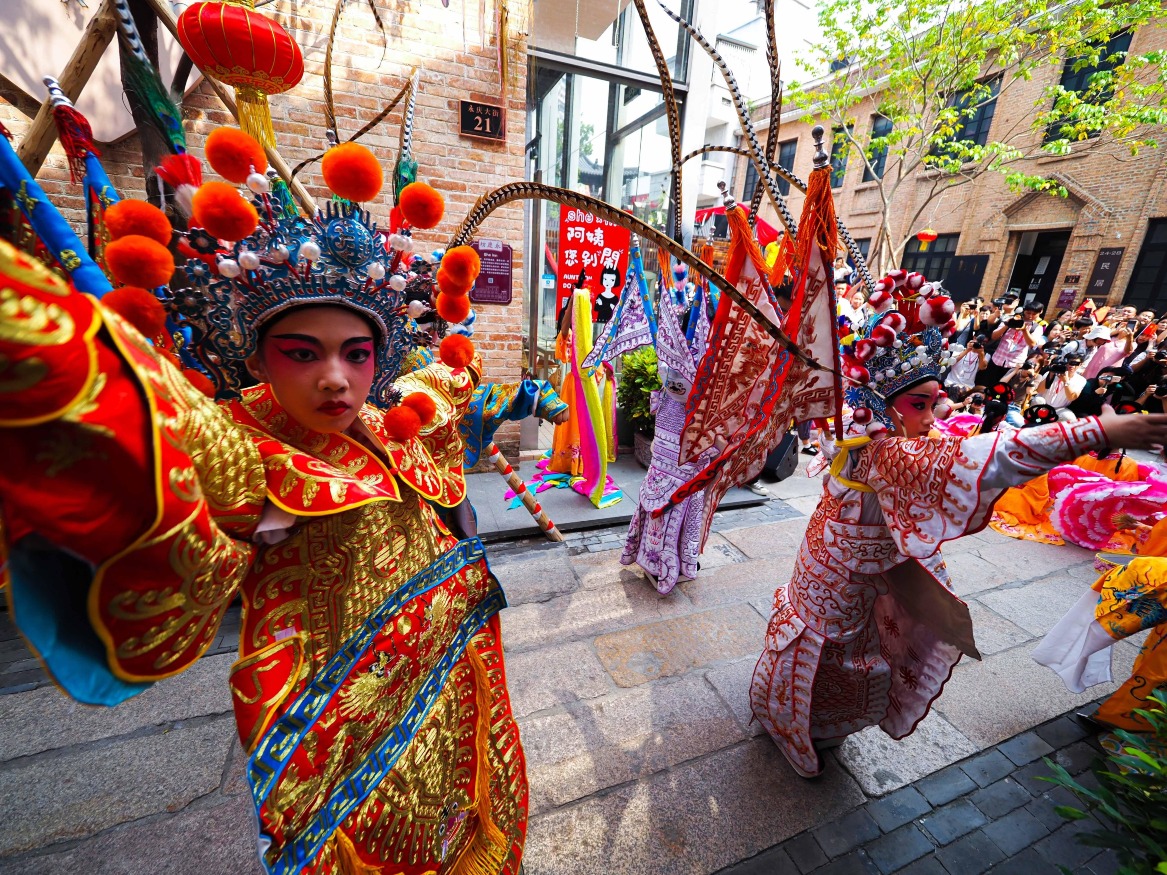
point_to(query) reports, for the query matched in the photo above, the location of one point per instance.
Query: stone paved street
(991, 812)
(633, 709)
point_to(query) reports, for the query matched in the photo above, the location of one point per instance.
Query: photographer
(963, 373)
(1154, 399)
(1062, 384)
(1015, 337)
(1153, 371)
(966, 317)
(1102, 393)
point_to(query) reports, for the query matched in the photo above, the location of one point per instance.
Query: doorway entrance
(1147, 289)
(1038, 265)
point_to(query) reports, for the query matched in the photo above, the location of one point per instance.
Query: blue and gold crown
(338, 257)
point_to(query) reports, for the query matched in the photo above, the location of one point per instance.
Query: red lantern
(247, 51)
(925, 237)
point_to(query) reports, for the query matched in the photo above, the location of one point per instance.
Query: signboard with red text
(589, 243)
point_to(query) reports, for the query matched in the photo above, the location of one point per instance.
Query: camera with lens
(1016, 322)
(1161, 391)
(1058, 367)
(999, 302)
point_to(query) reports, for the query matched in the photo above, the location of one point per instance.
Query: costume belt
(845, 446)
(463, 574)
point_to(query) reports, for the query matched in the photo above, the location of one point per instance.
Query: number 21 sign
(484, 120)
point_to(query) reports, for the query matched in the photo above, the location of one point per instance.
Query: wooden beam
(35, 145)
(166, 15)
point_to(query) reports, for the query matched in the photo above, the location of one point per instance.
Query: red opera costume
(370, 692)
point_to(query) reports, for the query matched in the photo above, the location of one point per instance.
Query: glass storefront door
(598, 136)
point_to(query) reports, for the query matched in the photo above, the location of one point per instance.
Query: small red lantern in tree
(925, 237)
(246, 50)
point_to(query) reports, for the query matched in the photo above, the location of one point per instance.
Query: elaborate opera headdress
(902, 346)
(251, 258)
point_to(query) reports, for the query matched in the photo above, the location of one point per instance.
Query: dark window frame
(750, 183)
(981, 121)
(1079, 80)
(786, 162)
(840, 150)
(881, 126)
(936, 261)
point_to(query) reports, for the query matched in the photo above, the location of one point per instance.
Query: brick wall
(1112, 194)
(367, 75)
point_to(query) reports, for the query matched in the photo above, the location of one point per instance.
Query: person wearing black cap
(1015, 337)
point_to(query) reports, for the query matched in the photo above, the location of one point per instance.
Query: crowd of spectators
(1082, 363)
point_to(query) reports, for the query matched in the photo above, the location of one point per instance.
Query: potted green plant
(638, 380)
(1129, 795)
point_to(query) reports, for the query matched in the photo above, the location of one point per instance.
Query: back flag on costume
(769, 385)
(734, 384)
(634, 324)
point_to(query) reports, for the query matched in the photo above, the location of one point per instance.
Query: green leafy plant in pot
(1129, 795)
(638, 380)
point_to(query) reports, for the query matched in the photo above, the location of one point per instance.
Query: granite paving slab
(591, 745)
(676, 646)
(46, 718)
(696, 818)
(199, 840)
(84, 790)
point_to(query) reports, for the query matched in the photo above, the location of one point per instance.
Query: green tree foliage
(932, 67)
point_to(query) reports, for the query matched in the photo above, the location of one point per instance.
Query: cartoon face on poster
(594, 245)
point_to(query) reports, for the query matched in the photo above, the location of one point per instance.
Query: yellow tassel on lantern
(255, 115)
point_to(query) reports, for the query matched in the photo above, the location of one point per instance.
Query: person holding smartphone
(1108, 348)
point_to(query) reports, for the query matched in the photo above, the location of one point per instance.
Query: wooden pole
(37, 142)
(166, 15)
(520, 489)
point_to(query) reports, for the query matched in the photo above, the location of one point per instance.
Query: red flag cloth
(748, 389)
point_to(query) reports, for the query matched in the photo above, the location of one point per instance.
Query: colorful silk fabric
(849, 643)
(585, 444)
(1125, 600)
(1080, 501)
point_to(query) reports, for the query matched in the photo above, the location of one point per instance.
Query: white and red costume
(861, 635)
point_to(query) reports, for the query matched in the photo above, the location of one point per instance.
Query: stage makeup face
(320, 363)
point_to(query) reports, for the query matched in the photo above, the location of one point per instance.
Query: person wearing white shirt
(1060, 389)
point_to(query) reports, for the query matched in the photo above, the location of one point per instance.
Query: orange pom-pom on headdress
(139, 261)
(421, 404)
(456, 351)
(234, 155)
(462, 264)
(138, 217)
(422, 205)
(220, 209)
(138, 307)
(450, 285)
(402, 424)
(352, 172)
(452, 308)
